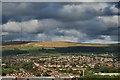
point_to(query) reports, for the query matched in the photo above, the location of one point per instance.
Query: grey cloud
(59, 11)
(75, 22)
(78, 31)
(19, 37)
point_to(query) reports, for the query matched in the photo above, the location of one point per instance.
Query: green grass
(29, 48)
(50, 54)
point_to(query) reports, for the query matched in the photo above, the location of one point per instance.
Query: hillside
(57, 47)
(53, 44)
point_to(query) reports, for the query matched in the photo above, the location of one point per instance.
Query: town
(29, 65)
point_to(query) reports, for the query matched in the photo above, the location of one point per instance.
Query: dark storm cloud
(11, 36)
(26, 11)
(77, 22)
(58, 11)
(18, 36)
(118, 5)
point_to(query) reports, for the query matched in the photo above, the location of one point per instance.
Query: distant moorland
(18, 47)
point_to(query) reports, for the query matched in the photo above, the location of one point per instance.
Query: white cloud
(110, 19)
(105, 40)
(27, 26)
(101, 41)
(43, 37)
(30, 26)
(4, 33)
(65, 38)
(86, 11)
(12, 27)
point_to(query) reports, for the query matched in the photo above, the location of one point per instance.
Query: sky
(82, 22)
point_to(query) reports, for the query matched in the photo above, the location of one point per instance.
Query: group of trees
(105, 69)
(98, 78)
(7, 71)
(70, 71)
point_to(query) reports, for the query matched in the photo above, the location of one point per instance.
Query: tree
(45, 74)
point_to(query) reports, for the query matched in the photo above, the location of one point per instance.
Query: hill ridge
(54, 44)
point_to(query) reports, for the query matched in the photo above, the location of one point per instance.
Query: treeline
(13, 52)
(84, 49)
(67, 50)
